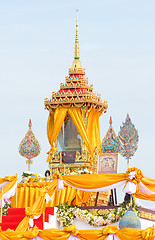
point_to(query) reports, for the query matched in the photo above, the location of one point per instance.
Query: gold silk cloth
(28, 193)
(93, 234)
(90, 134)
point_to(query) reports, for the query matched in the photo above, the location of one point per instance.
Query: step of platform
(16, 211)
(11, 218)
(11, 225)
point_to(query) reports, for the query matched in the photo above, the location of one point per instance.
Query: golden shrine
(73, 123)
(73, 133)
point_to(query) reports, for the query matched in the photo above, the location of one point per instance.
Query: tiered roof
(76, 91)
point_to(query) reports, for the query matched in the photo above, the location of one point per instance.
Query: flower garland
(66, 214)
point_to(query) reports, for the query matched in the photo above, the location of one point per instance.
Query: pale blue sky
(117, 49)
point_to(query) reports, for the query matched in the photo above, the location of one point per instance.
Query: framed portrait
(108, 163)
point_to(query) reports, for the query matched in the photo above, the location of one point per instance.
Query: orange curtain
(76, 115)
(54, 124)
(91, 135)
(93, 129)
(50, 125)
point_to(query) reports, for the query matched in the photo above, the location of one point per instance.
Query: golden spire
(76, 46)
(76, 65)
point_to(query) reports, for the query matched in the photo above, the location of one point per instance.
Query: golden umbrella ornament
(29, 146)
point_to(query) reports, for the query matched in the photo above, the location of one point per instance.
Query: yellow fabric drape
(55, 121)
(81, 198)
(11, 182)
(93, 129)
(149, 233)
(89, 182)
(78, 181)
(143, 196)
(18, 235)
(28, 193)
(136, 234)
(137, 179)
(9, 179)
(37, 209)
(52, 186)
(149, 183)
(93, 181)
(123, 234)
(54, 125)
(50, 125)
(76, 115)
(59, 234)
(91, 135)
(54, 234)
(98, 136)
(59, 116)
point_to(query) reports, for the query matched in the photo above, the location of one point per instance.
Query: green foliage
(26, 174)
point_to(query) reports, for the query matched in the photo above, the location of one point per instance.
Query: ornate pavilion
(73, 124)
(74, 136)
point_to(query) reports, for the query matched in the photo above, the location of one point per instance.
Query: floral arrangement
(5, 209)
(30, 177)
(66, 214)
(82, 171)
(76, 171)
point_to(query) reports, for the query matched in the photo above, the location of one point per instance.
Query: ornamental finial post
(76, 46)
(110, 121)
(30, 123)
